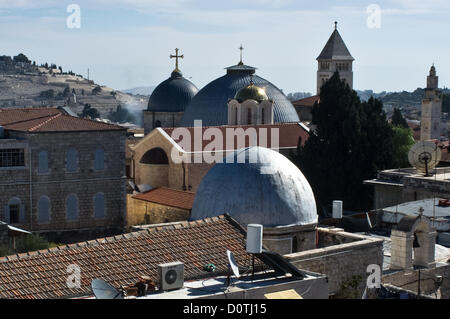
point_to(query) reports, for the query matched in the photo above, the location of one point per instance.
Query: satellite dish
(424, 156)
(233, 264)
(103, 290)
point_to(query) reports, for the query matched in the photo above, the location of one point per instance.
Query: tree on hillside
(89, 112)
(66, 91)
(121, 115)
(96, 90)
(351, 142)
(398, 119)
(21, 58)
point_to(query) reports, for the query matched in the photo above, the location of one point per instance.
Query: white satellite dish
(233, 264)
(424, 156)
(103, 290)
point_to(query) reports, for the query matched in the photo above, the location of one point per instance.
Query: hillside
(23, 84)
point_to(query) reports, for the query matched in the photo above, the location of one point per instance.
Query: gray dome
(172, 95)
(210, 103)
(266, 189)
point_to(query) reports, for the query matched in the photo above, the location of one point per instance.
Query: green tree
(96, 90)
(66, 91)
(403, 140)
(352, 140)
(21, 58)
(48, 94)
(398, 119)
(121, 115)
(89, 112)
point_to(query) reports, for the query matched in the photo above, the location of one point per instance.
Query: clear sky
(127, 43)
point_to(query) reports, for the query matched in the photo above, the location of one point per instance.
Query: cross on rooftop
(335, 25)
(241, 48)
(176, 56)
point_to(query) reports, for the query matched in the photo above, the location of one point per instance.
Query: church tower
(334, 57)
(430, 124)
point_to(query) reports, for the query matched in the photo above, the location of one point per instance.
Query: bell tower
(430, 124)
(334, 57)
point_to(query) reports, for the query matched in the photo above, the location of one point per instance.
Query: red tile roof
(121, 260)
(289, 134)
(35, 120)
(168, 197)
(308, 101)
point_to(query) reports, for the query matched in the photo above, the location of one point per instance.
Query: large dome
(172, 95)
(210, 103)
(266, 189)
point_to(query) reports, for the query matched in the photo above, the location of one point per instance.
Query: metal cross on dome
(241, 48)
(176, 56)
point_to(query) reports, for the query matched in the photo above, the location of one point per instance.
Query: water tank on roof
(337, 209)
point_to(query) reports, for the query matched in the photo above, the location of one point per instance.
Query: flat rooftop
(395, 177)
(430, 208)
(216, 286)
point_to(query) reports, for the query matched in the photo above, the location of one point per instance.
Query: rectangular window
(14, 212)
(12, 157)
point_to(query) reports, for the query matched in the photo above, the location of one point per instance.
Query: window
(99, 160)
(72, 207)
(12, 157)
(99, 205)
(43, 162)
(155, 156)
(263, 115)
(71, 160)
(235, 115)
(249, 116)
(14, 211)
(44, 210)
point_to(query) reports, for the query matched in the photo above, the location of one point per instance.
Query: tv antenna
(232, 264)
(424, 156)
(103, 290)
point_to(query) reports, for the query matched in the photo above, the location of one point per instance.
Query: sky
(127, 43)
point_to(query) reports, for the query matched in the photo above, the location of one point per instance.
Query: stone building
(159, 205)
(153, 163)
(334, 57)
(61, 176)
(250, 106)
(397, 186)
(430, 124)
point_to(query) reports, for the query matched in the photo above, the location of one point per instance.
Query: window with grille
(12, 157)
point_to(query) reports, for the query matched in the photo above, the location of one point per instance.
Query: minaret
(430, 124)
(334, 57)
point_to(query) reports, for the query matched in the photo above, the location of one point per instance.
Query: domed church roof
(210, 103)
(266, 188)
(252, 92)
(172, 95)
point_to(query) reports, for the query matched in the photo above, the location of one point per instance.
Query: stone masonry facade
(28, 186)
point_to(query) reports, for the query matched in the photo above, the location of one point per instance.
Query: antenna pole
(253, 267)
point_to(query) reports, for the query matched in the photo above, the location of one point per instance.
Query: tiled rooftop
(49, 120)
(289, 134)
(168, 197)
(307, 101)
(121, 260)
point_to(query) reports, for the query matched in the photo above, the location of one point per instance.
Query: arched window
(43, 162)
(72, 207)
(155, 156)
(263, 116)
(14, 212)
(249, 116)
(99, 159)
(44, 209)
(236, 115)
(99, 205)
(72, 160)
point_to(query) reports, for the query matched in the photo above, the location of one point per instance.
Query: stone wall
(341, 262)
(428, 281)
(167, 119)
(140, 212)
(29, 186)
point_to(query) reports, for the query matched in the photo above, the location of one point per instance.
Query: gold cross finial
(241, 48)
(176, 56)
(335, 25)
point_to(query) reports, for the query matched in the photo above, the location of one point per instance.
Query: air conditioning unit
(171, 276)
